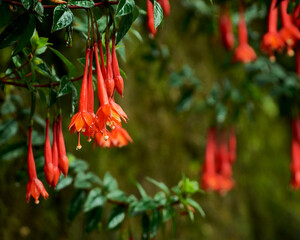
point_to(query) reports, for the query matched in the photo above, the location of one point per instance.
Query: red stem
(273, 17)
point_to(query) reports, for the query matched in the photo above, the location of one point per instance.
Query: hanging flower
(150, 18)
(55, 156)
(103, 141)
(120, 137)
(109, 80)
(165, 5)
(272, 41)
(244, 52)
(63, 161)
(210, 178)
(289, 32)
(34, 186)
(119, 83)
(225, 27)
(82, 121)
(48, 167)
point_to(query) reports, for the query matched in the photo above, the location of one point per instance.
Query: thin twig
(53, 6)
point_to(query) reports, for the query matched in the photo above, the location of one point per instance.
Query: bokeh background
(169, 135)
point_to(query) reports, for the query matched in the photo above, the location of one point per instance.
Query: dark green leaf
(117, 195)
(155, 223)
(70, 66)
(5, 14)
(125, 25)
(145, 227)
(168, 213)
(12, 151)
(8, 107)
(92, 219)
(76, 204)
(109, 183)
(78, 166)
(116, 217)
(82, 181)
(14, 31)
(85, 4)
(145, 204)
(125, 7)
(39, 9)
(195, 205)
(158, 14)
(7, 130)
(53, 97)
(42, 96)
(66, 87)
(74, 98)
(94, 199)
(62, 17)
(64, 182)
(27, 3)
(161, 185)
(141, 190)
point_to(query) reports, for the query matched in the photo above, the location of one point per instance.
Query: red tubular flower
(103, 70)
(56, 170)
(63, 161)
(82, 120)
(243, 53)
(109, 81)
(210, 178)
(119, 83)
(272, 40)
(295, 164)
(34, 186)
(295, 16)
(165, 5)
(225, 27)
(109, 113)
(102, 141)
(232, 145)
(120, 137)
(150, 18)
(225, 168)
(289, 32)
(48, 167)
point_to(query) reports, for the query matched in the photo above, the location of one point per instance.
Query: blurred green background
(169, 142)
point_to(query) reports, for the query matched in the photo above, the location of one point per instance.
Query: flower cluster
(165, 5)
(109, 115)
(219, 157)
(243, 52)
(287, 36)
(56, 162)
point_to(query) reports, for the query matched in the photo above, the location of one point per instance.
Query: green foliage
(62, 17)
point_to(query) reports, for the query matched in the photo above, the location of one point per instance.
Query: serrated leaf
(160, 185)
(70, 66)
(84, 4)
(158, 14)
(116, 217)
(62, 17)
(125, 7)
(94, 199)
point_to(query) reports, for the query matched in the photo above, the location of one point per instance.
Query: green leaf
(66, 87)
(85, 4)
(109, 183)
(27, 3)
(78, 166)
(158, 14)
(39, 9)
(74, 98)
(82, 181)
(125, 25)
(76, 204)
(125, 7)
(14, 31)
(145, 204)
(62, 17)
(155, 223)
(141, 190)
(70, 66)
(168, 213)
(39, 44)
(64, 182)
(92, 219)
(145, 227)
(117, 195)
(195, 205)
(160, 185)
(12, 151)
(5, 14)
(8, 107)
(116, 217)
(94, 199)
(8, 129)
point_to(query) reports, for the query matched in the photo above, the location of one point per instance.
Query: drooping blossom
(244, 52)
(63, 161)
(295, 163)
(225, 27)
(224, 164)
(48, 167)
(150, 18)
(109, 112)
(165, 5)
(35, 187)
(289, 33)
(102, 65)
(210, 177)
(119, 83)
(272, 41)
(120, 137)
(55, 156)
(82, 120)
(109, 80)
(103, 141)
